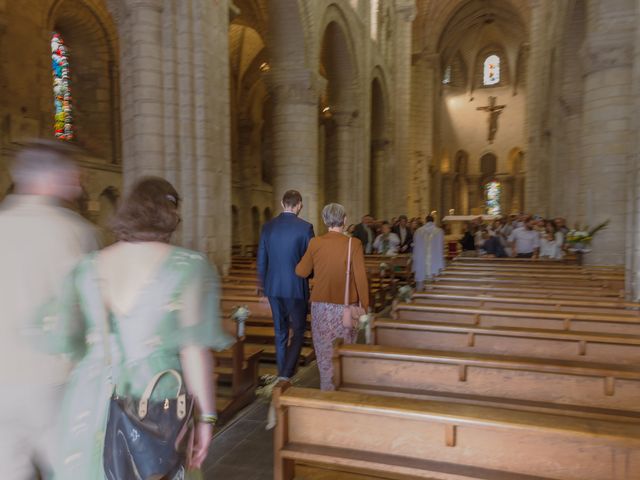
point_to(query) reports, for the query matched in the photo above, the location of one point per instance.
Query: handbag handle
(144, 401)
(346, 285)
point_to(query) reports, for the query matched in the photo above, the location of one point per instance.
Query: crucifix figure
(494, 112)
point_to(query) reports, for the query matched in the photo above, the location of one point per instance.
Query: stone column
(345, 175)
(606, 135)
(142, 90)
(447, 195)
(424, 74)
(633, 179)
(536, 90)
(295, 138)
(405, 14)
(506, 199)
(378, 176)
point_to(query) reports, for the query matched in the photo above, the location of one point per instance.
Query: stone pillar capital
(599, 54)
(380, 144)
(429, 58)
(298, 86)
(344, 118)
(156, 5)
(406, 10)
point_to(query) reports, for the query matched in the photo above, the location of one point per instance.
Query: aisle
(244, 449)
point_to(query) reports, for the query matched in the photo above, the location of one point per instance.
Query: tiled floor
(244, 449)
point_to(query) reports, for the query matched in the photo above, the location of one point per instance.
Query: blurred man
(40, 243)
(525, 241)
(365, 233)
(283, 242)
(403, 232)
(428, 252)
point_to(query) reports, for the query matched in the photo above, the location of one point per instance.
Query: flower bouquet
(580, 238)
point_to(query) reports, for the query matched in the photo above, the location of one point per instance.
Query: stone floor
(243, 449)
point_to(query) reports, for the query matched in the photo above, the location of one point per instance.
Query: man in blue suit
(283, 242)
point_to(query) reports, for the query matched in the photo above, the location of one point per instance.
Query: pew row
(574, 321)
(525, 291)
(530, 342)
(531, 303)
(596, 390)
(445, 441)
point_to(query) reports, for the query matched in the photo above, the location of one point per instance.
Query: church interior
(503, 368)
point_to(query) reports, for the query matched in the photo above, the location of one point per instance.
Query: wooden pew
(574, 321)
(525, 291)
(236, 371)
(567, 260)
(532, 280)
(594, 390)
(562, 288)
(444, 441)
(532, 303)
(530, 342)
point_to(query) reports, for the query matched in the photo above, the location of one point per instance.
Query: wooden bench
(526, 291)
(576, 321)
(594, 390)
(529, 342)
(567, 260)
(524, 280)
(236, 371)
(532, 303)
(444, 440)
(561, 288)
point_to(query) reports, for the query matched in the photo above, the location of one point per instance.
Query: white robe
(428, 251)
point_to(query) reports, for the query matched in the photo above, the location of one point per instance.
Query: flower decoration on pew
(581, 237)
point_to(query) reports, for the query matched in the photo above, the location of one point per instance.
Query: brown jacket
(326, 258)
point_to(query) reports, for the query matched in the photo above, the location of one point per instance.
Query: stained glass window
(61, 88)
(446, 78)
(491, 70)
(492, 194)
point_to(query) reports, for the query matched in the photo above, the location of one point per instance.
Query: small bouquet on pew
(580, 238)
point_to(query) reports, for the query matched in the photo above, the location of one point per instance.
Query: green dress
(178, 308)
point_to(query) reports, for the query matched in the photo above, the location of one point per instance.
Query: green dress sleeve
(198, 320)
(59, 326)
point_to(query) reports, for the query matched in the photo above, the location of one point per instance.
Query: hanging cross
(494, 112)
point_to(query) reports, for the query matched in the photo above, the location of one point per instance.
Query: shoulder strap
(346, 285)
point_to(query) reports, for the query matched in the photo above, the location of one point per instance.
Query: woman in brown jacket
(326, 258)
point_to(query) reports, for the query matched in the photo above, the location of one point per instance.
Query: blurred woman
(326, 258)
(135, 309)
(551, 241)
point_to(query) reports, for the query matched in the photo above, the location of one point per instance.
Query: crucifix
(494, 112)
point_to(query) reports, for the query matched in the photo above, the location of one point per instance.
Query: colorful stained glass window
(61, 88)
(446, 78)
(492, 194)
(491, 70)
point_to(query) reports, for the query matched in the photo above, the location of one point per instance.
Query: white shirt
(40, 244)
(526, 240)
(393, 244)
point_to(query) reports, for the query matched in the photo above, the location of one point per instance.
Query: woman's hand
(203, 436)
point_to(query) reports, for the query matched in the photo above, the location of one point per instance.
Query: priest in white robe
(428, 252)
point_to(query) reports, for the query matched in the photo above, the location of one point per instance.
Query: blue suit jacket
(283, 242)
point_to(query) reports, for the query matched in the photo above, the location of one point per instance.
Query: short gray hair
(39, 158)
(333, 215)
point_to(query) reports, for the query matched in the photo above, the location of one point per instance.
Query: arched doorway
(379, 146)
(338, 119)
(460, 185)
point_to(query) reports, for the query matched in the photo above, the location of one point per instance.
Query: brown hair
(149, 213)
(291, 198)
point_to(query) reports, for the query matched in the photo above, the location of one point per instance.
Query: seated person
(492, 246)
(387, 243)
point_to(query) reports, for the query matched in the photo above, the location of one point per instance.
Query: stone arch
(93, 51)
(339, 112)
(267, 215)
(255, 225)
(379, 144)
(515, 161)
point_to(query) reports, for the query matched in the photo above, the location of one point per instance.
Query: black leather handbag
(149, 440)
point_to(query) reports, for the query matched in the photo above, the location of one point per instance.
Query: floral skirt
(326, 327)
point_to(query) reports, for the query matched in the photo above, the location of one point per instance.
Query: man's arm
(263, 259)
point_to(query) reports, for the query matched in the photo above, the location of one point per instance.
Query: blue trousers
(288, 313)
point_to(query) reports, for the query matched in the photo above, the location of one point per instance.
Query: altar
(457, 223)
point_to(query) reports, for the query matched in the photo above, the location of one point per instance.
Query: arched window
(491, 70)
(61, 89)
(446, 78)
(492, 194)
